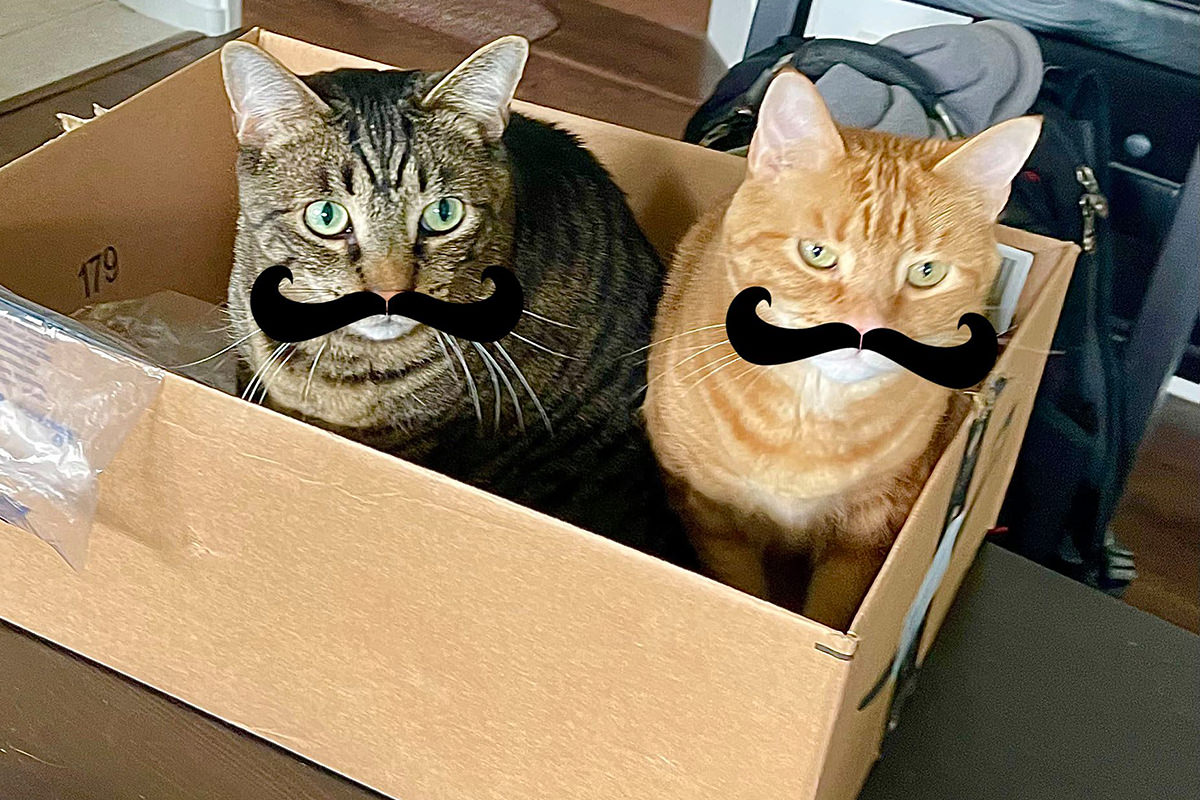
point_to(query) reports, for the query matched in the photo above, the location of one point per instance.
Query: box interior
(479, 635)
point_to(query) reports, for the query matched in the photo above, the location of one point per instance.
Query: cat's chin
(853, 366)
(381, 328)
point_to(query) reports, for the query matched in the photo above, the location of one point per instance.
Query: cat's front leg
(733, 561)
(839, 581)
(727, 549)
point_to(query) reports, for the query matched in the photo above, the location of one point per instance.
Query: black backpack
(1074, 459)
(1076, 454)
(727, 118)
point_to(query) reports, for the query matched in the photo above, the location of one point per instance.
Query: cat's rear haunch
(390, 181)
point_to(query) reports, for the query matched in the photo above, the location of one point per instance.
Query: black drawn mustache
(956, 367)
(486, 320)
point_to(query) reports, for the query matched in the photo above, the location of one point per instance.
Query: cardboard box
(415, 634)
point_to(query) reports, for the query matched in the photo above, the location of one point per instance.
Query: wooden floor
(648, 72)
(1159, 517)
(33, 34)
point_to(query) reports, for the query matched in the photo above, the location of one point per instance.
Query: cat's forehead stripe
(378, 140)
(357, 147)
(406, 144)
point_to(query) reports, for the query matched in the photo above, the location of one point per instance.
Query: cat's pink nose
(864, 324)
(386, 295)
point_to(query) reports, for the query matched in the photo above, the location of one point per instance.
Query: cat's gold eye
(443, 215)
(927, 273)
(818, 254)
(327, 218)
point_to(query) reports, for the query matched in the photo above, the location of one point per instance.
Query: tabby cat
(397, 180)
(793, 480)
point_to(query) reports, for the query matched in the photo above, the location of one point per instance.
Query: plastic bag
(68, 398)
(174, 330)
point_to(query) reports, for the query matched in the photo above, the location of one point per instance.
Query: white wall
(872, 20)
(729, 27)
(861, 20)
(210, 17)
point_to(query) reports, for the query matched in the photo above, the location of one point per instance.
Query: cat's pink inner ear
(270, 104)
(795, 129)
(988, 161)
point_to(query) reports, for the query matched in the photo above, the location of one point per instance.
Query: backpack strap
(733, 128)
(882, 64)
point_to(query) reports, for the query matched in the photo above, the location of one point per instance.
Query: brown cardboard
(415, 634)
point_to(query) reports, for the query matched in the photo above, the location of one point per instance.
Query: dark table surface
(1040, 687)
(1037, 687)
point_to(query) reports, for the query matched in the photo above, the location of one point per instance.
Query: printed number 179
(104, 262)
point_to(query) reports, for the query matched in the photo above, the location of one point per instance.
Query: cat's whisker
(529, 313)
(672, 338)
(671, 369)
(495, 384)
(529, 389)
(703, 346)
(542, 347)
(313, 369)
(507, 384)
(951, 339)
(470, 378)
(695, 355)
(750, 368)
(254, 380)
(723, 361)
(708, 375)
(1039, 351)
(761, 372)
(446, 354)
(220, 352)
(265, 386)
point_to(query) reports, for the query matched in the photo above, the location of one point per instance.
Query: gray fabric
(984, 73)
(857, 101)
(1162, 32)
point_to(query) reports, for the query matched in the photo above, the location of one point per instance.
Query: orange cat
(793, 480)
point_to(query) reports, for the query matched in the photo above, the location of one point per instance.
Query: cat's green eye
(927, 273)
(443, 215)
(818, 254)
(327, 218)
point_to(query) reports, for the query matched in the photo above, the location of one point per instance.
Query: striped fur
(794, 480)
(539, 204)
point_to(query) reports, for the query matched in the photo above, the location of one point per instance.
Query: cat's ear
(795, 129)
(270, 104)
(988, 161)
(482, 86)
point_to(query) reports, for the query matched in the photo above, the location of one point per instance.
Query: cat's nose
(386, 295)
(389, 275)
(864, 324)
